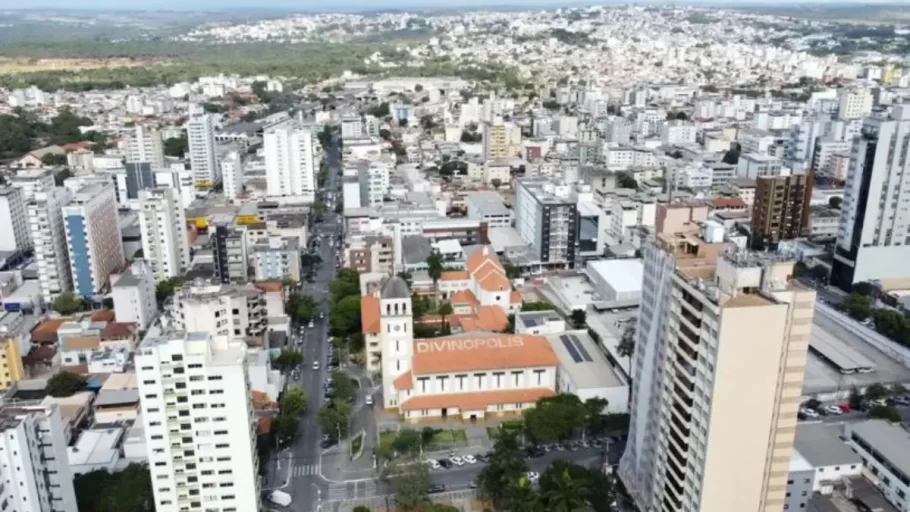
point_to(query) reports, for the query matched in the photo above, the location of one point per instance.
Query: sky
(354, 5)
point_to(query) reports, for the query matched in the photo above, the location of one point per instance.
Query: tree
(578, 318)
(319, 207)
(625, 180)
(61, 176)
(595, 417)
(857, 306)
(380, 111)
(300, 307)
(385, 134)
(856, 398)
(550, 104)
(129, 490)
(334, 417)
(876, 392)
(294, 402)
(402, 122)
(731, 157)
(626, 346)
(835, 202)
(554, 418)
(325, 136)
(445, 309)
(139, 254)
(496, 182)
(540, 305)
(53, 159)
(418, 88)
(506, 469)
(512, 271)
(863, 288)
(361, 508)
(345, 284)
(562, 492)
(427, 122)
(288, 359)
(166, 289)
(177, 146)
(344, 388)
(214, 108)
(407, 442)
(411, 484)
(68, 303)
(344, 317)
(885, 412)
(594, 487)
(64, 384)
(892, 324)
(285, 428)
(435, 264)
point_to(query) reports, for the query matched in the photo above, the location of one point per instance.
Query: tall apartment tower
(144, 145)
(854, 103)
(290, 162)
(495, 140)
(162, 223)
(719, 328)
(93, 237)
(546, 217)
(781, 209)
(232, 174)
(230, 252)
(199, 423)
(200, 133)
(14, 234)
(873, 239)
(48, 234)
(33, 459)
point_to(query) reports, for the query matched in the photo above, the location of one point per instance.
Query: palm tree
(523, 498)
(566, 494)
(626, 348)
(445, 309)
(434, 268)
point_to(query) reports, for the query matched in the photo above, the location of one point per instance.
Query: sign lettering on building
(429, 346)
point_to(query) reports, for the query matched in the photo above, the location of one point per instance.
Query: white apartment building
(32, 181)
(290, 161)
(226, 311)
(180, 180)
(134, 295)
(752, 165)
(45, 221)
(144, 145)
(93, 237)
(200, 132)
(873, 241)
(374, 183)
(545, 217)
(678, 132)
(276, 258)
(232, 174)
(488, 206)
(351, 127)
(14, 233)
(882, 445)
(33, 459)
(717, 330)
(199, 424)
(854, 103)
(162, 222)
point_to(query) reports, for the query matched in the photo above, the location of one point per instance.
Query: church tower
(396, 323)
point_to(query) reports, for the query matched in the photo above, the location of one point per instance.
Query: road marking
(308, 469)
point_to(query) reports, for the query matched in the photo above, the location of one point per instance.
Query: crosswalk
(305, 470)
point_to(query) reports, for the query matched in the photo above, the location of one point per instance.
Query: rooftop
(488, 202)
(891, 442)
(820, 444)
(585, 364)
(491, 351)
(623, 275)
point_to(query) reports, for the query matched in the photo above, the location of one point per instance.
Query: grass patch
(387, 437)
(356, 445)
(516, 427)
(492, 432)
(447, 440)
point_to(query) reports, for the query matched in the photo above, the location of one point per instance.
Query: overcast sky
(349, 5)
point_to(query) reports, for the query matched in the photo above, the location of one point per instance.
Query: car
(560, 447)
(484, 457)
(310, 324)
(444, 463)
(902, 400)
(833, 409)
(535, 453)
(436, 489)
(808, 413)
(315, 365)
(470, 459)
(532, 476)
(881, 402)
(321, 314)
(432, 464)
(458, 461)
(368, 400)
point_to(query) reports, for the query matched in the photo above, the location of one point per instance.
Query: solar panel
(570, 347)
(581, 348)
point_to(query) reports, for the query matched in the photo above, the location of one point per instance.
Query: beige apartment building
(718, 368)
(370, 254)
(495, 140)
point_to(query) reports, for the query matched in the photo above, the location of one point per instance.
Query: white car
(809, 413)
(369, 401)
(470, 459)
(432, 464)
(833, 409)
(310, 324)
(533, 476)
(458, 461)
(315, 365)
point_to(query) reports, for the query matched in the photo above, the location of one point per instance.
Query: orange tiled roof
(118, 330)
(463, 297)
(261, 401)
(729, 202)
(369, 314)
(454, 275)
(104, 315)
(269, 286)
(404, 381)
(486, 269)
(476, 401)
(473, 352)
(515, 298)
(264, 425)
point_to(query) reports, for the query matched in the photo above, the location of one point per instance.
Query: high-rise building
(290, 162)
(229, 250)
(134, 295)
(232, 174)
(495, 140)
(48, 234)
(199, 426)
(719, 328)
(35, 465)
(93, 237)
(873, 239)
(854, 103)
(229, 311)
(162, 222)
(546, 218)
(144, 145)
(781, 209)
(14, 235)
(200, 132)
(139, 176)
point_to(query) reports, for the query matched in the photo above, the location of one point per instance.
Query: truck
(280, 498)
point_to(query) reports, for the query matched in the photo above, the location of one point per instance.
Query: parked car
(432, 464)
(833, 410)
(444, 463)
(310, 325)
(902, 400)
(470, 459)
(458, 461)
(808, 413)
(532, 476)
(368, 400)
(436, 489)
